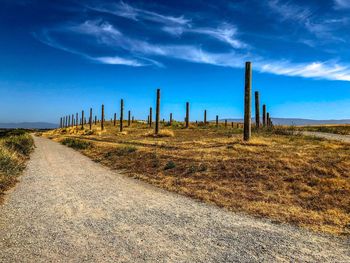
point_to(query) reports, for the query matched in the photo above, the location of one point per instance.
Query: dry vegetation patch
(288, 178)
(15, 147)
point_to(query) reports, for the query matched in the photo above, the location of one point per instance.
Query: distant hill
(297, 122)
(28, 125)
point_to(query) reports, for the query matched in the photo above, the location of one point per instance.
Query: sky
(61, 57)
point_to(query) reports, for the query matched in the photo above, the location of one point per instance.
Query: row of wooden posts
(70, 121)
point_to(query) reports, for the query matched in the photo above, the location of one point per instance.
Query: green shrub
(76, 143)
(169, 165)
(121, 151)
(22, 144)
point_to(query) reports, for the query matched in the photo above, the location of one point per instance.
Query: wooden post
(121, 115)
(76, 120)
(267, 119)
(171, 119)
(90, 119)
(82, 119)
(69, 120)
(129, 118)
(225, 123)
(102, 117)
(205, 117)
(217, 121)
(187, 114)
(264, 115)
(147, 119)
(115, 119)
(132, 119)
(247, 102)
(150, 117)
(156, 131)
(257, 110)
(95, 120)
(60, 123)
(232, 124)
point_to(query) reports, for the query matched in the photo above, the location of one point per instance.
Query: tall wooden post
(257, 110)
(232, 124)
(60, 123)
(102, 117)
(82, 119)
(264, 115)
(205, 117)
(225, 123)
(150, 117)
(90, 119)
(69, 120)
(72, 122)
(187, 114)
(121, 115)
(115, 119)
(156, 131)
(95, 119)
(129, 118)
(267, 119)
(132, 119)
(171, 119)
(247, 102)
(217, 121)
(76, 120)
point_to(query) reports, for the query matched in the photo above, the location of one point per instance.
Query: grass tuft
(76, 143)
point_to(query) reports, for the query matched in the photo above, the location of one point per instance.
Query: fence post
(82, 119)
(76, 120)
(171, 119)
(217, 121)
(247, 102)
(257, 110)
(102, 117)
(115, 119)
(121, 115)
(129, 118)
(268, 119)
(225, 123)
(157, 112)
(150, 117)
(132, 119)
(205, 117)
(264, 115)
(95, 119)
(232, 124)
(90, 119)
(187, 114)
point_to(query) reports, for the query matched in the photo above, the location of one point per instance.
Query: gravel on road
(67, 208)
(329, 136)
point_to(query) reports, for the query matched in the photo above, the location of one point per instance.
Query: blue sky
(59, 57)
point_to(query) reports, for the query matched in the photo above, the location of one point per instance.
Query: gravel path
(69, 209)
(330, 136)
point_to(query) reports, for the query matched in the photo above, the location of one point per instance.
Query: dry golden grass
(343, 129)
(296, 179)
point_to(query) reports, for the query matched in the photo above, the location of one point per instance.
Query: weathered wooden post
(156, 131)
(76, 120)
(121, 115)
(72, 123)
(150, 117)
(268, 119)
(171, 119)
(147, 119)
(217, 121)
(95, 120)
(115, 119)
(187, 114)
(247, 102)
(264, 115)
(102, 117)
(69, 120)
(232, 124)
(257, 110)
(132, 119)
(129, 118)
(205, 117)
(90, 119)
(60, 123)
(225, 123)
(82, 119)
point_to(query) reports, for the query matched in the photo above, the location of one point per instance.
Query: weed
(169, 165)
(76, 143)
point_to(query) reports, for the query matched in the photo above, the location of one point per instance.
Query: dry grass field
(287, 178)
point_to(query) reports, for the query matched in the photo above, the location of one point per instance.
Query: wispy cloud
(125, 10)
(341, 4)
(289, 11)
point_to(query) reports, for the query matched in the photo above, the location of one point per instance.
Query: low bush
(76, 144)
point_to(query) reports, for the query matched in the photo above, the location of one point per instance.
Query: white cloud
(127, 11)
(341, 4)
(119, 61)
(318, 70)
(288, 11)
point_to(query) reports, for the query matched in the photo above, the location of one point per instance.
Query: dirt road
(69, 209)
(329, 136)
